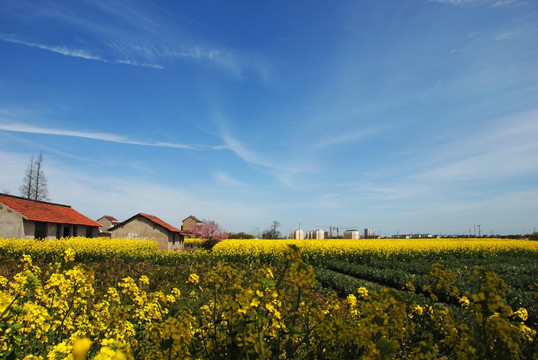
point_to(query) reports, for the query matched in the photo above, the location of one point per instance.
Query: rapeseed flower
(81, 348)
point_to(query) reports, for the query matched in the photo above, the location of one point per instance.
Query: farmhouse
(106, 222)
(188, 223)
(25, 218)
(144, 227)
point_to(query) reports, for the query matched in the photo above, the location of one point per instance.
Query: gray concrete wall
(29, 229)
(175, 242)
(143, 229)
(11, 223)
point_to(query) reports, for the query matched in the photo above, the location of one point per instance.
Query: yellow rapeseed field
(250, 309)
(381, 246)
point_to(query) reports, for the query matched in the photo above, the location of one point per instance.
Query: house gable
(106, 222)
(11, 223)
(189, 222)
(144, 227)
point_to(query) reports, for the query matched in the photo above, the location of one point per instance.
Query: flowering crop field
(83, 298)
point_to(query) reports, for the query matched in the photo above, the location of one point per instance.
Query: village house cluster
(23, 218)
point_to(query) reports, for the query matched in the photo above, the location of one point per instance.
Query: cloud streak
(242, 152)
(492, 3)
(508, 148)
(79, 53)
(283, 168)
(351, 136)
(63, 50)
(87, 135)
(137, 35)
(223, 178)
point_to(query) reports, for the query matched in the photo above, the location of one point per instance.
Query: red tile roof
(158, 221)
(45, 211)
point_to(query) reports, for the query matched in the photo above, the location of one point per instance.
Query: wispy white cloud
(460, 2)
(224, 179)
(463, 2)
(503, 3)
(506, 148)
(493, 3)
(134, 63)
(239, 149)
(351, 136)
(389, 190)
(21, 128)
(137, 34)
(63, 50)
(283, 167)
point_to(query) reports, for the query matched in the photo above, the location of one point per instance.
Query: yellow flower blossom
(194, 279)
(69, 255)
(81, 347)
(464, 301)
(363, 292)
(144, 280)
(255, 302)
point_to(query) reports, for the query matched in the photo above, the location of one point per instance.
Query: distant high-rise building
(297, 234)
(368, 233)
(315, 234)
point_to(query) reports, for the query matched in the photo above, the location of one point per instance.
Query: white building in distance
(297, 234)
(351, 234)
(315, 234)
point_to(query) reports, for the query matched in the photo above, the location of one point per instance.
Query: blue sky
(399, 116)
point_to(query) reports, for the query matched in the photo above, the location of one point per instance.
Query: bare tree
(34, 184)
(26, 187)
(272, 233)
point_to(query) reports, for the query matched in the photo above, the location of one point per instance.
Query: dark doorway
(40, 230)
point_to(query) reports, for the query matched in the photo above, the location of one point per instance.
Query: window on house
(89, 231)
